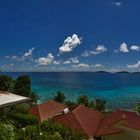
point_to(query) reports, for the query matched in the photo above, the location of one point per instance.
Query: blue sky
(69, 35)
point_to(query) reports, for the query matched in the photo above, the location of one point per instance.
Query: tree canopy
(23, 86)
(5, 82)
(59, 97)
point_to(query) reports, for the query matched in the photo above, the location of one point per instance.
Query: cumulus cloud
(117, 3)
(23, 57)
(100, 49)
(73, 60)
(45, 60)
(29, 53)
(135, 48)
(69, 44)
(124, 48)
(134, 66)
(81, 65)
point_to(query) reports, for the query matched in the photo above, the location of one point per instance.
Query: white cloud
(45, 60)
(29, 53)
(135, 48)
(81, 65)
(117, 3)
(100, 49)
(23, 57)
(98, 66)
(69, 44)
(67, 62)
(56, 62)
(73, 60)
(134, 66)
(15, 58)
(124, 48)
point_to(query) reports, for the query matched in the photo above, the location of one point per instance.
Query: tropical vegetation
(19, 86)
(19, 124)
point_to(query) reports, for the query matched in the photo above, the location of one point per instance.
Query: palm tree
(59, 97)
(34, 96)
(100, 104)
(83, 99)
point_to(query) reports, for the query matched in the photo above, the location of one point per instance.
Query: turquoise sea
(120, 90)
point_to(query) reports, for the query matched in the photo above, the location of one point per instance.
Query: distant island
(123, 72)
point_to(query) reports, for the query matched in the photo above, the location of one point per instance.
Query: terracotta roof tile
(47, 110)
(125, 118)
(96, 124)
(81, 118)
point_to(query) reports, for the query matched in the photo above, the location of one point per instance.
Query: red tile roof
(96, 124)
(81, 118)
(47, 110)
(126, 118)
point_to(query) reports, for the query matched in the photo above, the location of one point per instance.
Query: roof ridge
(77, 108)
(38, 108)
(79, 121)
(100, 124)
(108, 127)
(74, 113)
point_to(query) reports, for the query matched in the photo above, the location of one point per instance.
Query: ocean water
(120, 90)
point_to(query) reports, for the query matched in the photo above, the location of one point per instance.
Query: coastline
(117, 88)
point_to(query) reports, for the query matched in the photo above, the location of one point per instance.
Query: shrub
(22, 120)
(66, 133)
(7, 132)
(55, 136)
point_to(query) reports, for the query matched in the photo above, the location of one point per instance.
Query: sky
(70, 35)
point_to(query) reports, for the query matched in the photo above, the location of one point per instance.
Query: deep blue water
(120, 90)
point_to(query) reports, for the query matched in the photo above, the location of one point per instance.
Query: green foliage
(20, 116)
(20, 125)
(31, 132)
(55, 136)
(34, 97)
(23, 86)
(5, 82)
(100, 105)
(66, 133)
(137, 107)
(59, 97)
(19, 108)
(22, 119)
(83, 99)
(97, 104)
(7, 132)
(92, 104)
